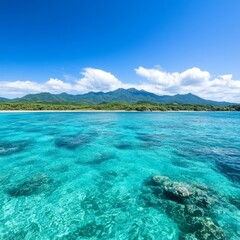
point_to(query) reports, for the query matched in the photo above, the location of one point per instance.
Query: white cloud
(192, 76)
(97, 80)
(158, 77)
(194, 80)
(19, 88)
(58, 85)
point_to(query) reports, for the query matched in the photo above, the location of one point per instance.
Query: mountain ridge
(130, 95)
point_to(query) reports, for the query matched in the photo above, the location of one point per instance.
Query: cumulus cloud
(194, 80)
(97, 80)
(58, 85)
(92, 80)
(19, 88)
(192, 76)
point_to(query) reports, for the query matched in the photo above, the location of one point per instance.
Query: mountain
(130, 95)
(41, 97)
(193, 99)
(3, 99)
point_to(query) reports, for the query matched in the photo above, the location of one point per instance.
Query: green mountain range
(130, 95)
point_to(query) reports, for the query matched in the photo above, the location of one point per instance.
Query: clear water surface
(89, 175)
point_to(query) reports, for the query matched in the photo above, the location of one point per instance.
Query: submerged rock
(60, 168)
(123, 145)
(149, 137)
(35, 185)
(188, 236)
(180, 192)
(149, 140)
(187, 204)
(208, 230)
(8, 148)
(194, 211)
(71, 142)
(160, 179)
(194, 222)
(177, 191)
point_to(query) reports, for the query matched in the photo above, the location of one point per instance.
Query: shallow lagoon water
(86, 175)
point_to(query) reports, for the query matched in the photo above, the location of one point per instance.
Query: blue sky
(164, 46)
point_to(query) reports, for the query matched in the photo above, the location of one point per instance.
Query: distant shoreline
(96, 111)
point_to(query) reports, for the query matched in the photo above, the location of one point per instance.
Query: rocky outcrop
(188, 205)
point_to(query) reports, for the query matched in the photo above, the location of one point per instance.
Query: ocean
(146, 176)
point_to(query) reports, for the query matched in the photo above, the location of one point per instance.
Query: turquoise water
(90, 175)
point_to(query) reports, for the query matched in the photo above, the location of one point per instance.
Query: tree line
(139, 106)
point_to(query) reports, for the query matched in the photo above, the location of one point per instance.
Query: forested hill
(120, 95)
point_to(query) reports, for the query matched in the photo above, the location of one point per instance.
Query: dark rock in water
(8, 148)
(193, 211)
(177, 191)
(202, 199)
(195, 221)
(180, 192)
(230, 168)
(188, 205)
(132, 127)
(149, 140)
(149, 137)
(188, 236)
(185, 216)
(160, 179)
(208, 230)
(35, 185)
(61, 168)
(72, 142)
(123, 146)
(205, 229)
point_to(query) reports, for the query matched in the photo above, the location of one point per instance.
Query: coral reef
(123, 145)
(35, 185)
(72, 142)
(188, 205)
(149, 140)
(8, 148)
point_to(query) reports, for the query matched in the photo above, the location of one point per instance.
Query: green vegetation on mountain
(130, 96)
(120, 99)
(139, 106)
(3, 99)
